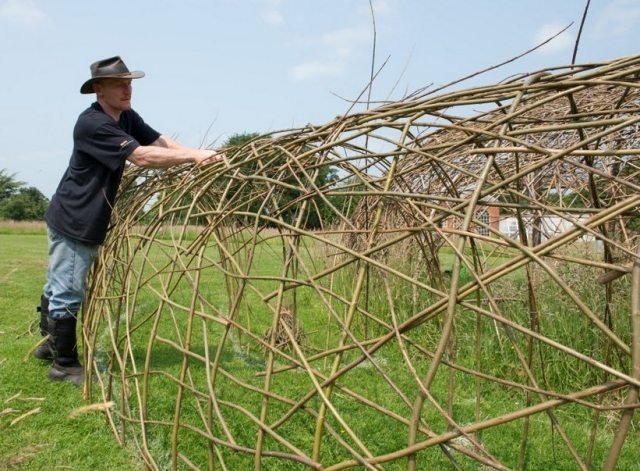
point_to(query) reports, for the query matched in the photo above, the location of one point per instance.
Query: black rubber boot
(43, 352)
(66, 366)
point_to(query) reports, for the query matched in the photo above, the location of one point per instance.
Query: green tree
(284, 202)
(241, 139)
(18, 202)
(9, 186)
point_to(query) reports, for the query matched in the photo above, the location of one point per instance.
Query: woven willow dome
(443, 282)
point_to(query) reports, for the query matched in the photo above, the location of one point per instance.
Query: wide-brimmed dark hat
(113, 67)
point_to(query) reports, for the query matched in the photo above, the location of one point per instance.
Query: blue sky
(220, 67)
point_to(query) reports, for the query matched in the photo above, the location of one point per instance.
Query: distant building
(549, 226)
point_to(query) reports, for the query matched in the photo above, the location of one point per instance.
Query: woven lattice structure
(463, 294)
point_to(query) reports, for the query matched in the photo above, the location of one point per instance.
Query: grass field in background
(23, 228)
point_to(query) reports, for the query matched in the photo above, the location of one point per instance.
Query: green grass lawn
(36, 432)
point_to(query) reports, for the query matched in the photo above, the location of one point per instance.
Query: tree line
(19, 202)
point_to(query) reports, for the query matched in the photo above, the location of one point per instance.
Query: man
(106, 135)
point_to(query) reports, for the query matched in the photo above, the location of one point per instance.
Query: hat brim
(87, 87)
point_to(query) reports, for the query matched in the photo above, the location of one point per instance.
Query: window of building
(482, 215)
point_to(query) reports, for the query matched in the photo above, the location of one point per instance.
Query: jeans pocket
(54, 236)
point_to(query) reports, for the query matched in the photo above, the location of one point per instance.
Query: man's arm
(165, 141)
(165, 152)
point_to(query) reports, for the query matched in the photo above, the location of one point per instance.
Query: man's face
(115, 93)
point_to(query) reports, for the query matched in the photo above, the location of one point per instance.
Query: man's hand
(165, 153)
(209, 156)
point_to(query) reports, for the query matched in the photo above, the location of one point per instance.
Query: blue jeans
(69, 263)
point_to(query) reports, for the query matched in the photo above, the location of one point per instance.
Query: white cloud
(558, 44)
(619, 17)
(272, 14)
(343, 41)
(22, 12)
(337, 47)
(315, 69)
(273, 17)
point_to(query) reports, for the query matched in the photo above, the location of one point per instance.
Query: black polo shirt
(81, 206)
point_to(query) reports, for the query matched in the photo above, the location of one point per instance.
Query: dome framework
(446, 280)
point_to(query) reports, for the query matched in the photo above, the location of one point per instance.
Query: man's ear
(97, 88)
